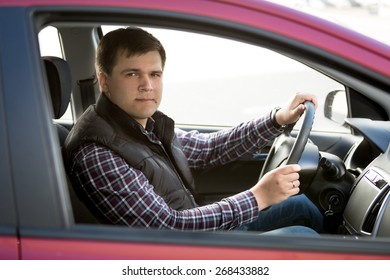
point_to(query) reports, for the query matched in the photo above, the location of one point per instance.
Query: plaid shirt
(125, 196)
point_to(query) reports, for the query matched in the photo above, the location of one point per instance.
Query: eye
(157, 74)
(130, 74)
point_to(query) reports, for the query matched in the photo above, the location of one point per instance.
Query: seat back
(60, 85)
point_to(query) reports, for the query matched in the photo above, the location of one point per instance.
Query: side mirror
(336, 107)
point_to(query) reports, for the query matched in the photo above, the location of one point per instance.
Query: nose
(146, 83)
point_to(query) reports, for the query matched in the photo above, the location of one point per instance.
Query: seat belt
(87, 91)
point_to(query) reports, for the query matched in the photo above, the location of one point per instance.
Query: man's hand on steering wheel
(291, 112)
(287, 150)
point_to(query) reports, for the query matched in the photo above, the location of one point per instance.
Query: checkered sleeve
(205, 150)
(125, 197)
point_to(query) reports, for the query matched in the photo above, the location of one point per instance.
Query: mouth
(146, 100)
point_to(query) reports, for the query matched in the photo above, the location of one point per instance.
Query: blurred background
(369, 17)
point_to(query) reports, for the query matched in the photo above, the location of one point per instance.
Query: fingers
(287, 177)
(294, 108)
(277, 185)
(300, 98)
(297, 106)
(289, 168)
(293, 191)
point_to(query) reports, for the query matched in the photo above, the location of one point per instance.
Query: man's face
(135, 84)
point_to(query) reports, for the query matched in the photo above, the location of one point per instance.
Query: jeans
(297, 214)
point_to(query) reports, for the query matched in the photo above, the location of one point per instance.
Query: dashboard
(367, 212)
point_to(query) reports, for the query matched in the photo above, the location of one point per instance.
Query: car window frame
(8, 222)
(67, 229)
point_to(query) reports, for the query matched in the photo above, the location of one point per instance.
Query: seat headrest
(60, 83)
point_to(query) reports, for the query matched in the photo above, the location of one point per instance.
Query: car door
(45, 225)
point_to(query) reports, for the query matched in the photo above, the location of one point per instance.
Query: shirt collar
(150, 125)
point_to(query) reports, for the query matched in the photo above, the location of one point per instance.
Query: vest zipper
(160, 145)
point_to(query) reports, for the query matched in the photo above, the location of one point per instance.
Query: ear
(102, 78)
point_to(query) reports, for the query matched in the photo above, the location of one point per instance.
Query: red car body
(22, 239)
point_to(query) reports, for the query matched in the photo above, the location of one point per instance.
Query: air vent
(372, 214)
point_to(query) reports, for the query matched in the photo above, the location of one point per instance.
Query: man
(135, 167)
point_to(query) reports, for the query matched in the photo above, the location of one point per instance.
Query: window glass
(49, 42)
(50, 45)
(214, 81)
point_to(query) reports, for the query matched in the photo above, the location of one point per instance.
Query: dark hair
(132, 40)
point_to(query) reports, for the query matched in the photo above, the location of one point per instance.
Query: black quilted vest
(163, 164)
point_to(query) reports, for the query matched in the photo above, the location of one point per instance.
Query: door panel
(9, 249)
(106, 250)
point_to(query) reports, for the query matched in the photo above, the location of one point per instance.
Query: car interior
(345, 174)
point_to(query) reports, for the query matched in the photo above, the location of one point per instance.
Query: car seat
(60, 86)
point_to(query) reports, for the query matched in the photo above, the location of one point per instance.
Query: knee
(304, 205)
(310, 213)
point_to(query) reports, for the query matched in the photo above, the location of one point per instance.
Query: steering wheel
(289, 150)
